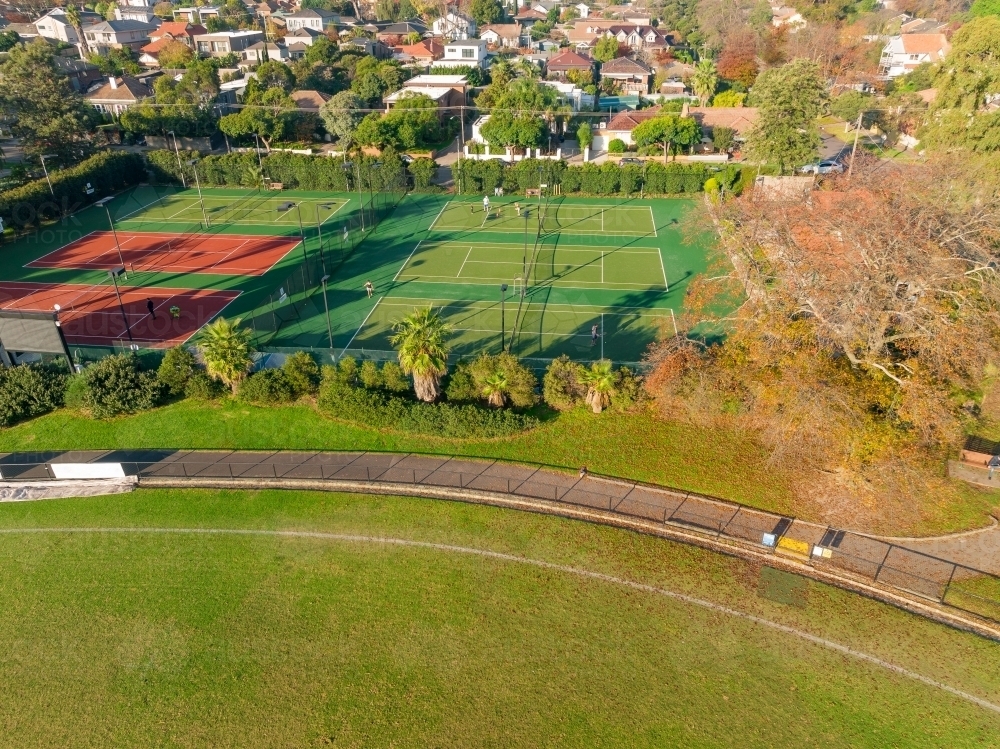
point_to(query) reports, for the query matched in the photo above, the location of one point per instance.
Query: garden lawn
(143, 639)
(637, 446)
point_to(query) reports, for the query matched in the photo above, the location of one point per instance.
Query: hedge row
(383, 410)
(30, 390)
(607, 179)
(107, 172)
(294, 171)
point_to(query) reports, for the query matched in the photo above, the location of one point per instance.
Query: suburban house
(564, 62)
(53, 25)
(447, 91)
(786, 16)
(311, 18)
(454, 26)
(196, 15)
(674, 89)
(583, 9)
(470, 52)
(118, 94)
(631, 75)
(905, 52)
(304, 35)
(424, 53)
(142, 13)
(309, 101)
(168, 33)
(587, 32)
(372, 47)
(621, 127)
(81, 73)
(275, 52)
(528, 17)
(571, 94)
(395, 32)
(503, 35)
(922, 26)
(221, 43)
(740, 119)
(108, 35)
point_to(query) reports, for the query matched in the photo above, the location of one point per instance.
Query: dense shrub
(75, 395)
(268, 387)
(201, 386)
(117, 385)
(561, 387)
(422, 171)
(461, 387)
(176, 369)
(629, 391)
(519, 382)
(394, 379)
(30, 390)
(382, 410)
(370, 375)
(107, 172)
(302, 373)
(616, 145)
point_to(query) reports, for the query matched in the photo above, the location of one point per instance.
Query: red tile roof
(568, 60)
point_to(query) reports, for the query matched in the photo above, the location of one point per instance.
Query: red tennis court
(223, 254)
(91, 316)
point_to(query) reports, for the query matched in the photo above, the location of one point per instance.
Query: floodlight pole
(201, 200)
(302, 234)
(114, 279)
(371, 196)
(103, 202)
(44, 169)
(503, 326)
(178, 153)
(319, 232)
(361, 195)
(524, 257)
(326, 307)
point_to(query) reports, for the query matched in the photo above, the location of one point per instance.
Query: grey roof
(625, 65)
(118, 26)
(405, 27)
(312, 13)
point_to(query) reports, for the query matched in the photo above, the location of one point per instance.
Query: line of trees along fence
(609, 178)
(27, 207)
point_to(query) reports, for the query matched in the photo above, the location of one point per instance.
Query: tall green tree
(669, 130)
(704, 81)
(269, 115)
(226, 349)
(485, 11)
(420, 340)
(48, 115)
(341, 115)
(970, 73)
(789, 99)
(274, 74)
(606, 49)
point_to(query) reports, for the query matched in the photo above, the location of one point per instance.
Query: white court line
(481, 281)
(666, 284)
(405, 301)
(363, 323)
(652, 220)
(459, 274)
(140, 210)
(602, 267)
(438, 217)
(560, 249)
(407, 260)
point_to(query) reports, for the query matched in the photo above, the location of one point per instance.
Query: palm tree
(496, 388)
(226, 349)
(600, 383)
(420, 341)
(704, 81)
(74, 20)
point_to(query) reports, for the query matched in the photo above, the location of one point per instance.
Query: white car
(823, 167)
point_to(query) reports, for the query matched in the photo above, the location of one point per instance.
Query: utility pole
(854, 149)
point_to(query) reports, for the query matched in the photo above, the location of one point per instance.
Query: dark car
(624, 162)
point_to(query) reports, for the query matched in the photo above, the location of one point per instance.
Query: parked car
(623, 162)
(823, 167)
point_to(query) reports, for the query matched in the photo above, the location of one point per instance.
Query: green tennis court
(570, 266)
(546, 329)
(510, 215)
(235, 209)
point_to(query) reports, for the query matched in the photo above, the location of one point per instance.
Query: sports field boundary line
(407, 261)
(145, 207)
(389, 300)
(666, 283)
(652, 219)
(609, 248)
(543, 284)
(362, 325)
(462, 267)
(443, 208)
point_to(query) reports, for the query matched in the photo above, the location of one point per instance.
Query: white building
(583, 9)
(454, 26)
(53, 25)
(572, 95)
(196, 15)
(107, 35)
(904, 53)
(311, 18)
(471, 52)
(785, 16)
(221, 43)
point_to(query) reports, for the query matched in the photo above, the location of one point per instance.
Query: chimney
(113, 82)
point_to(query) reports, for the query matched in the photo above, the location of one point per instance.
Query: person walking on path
(369, 288)
(151, 307)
